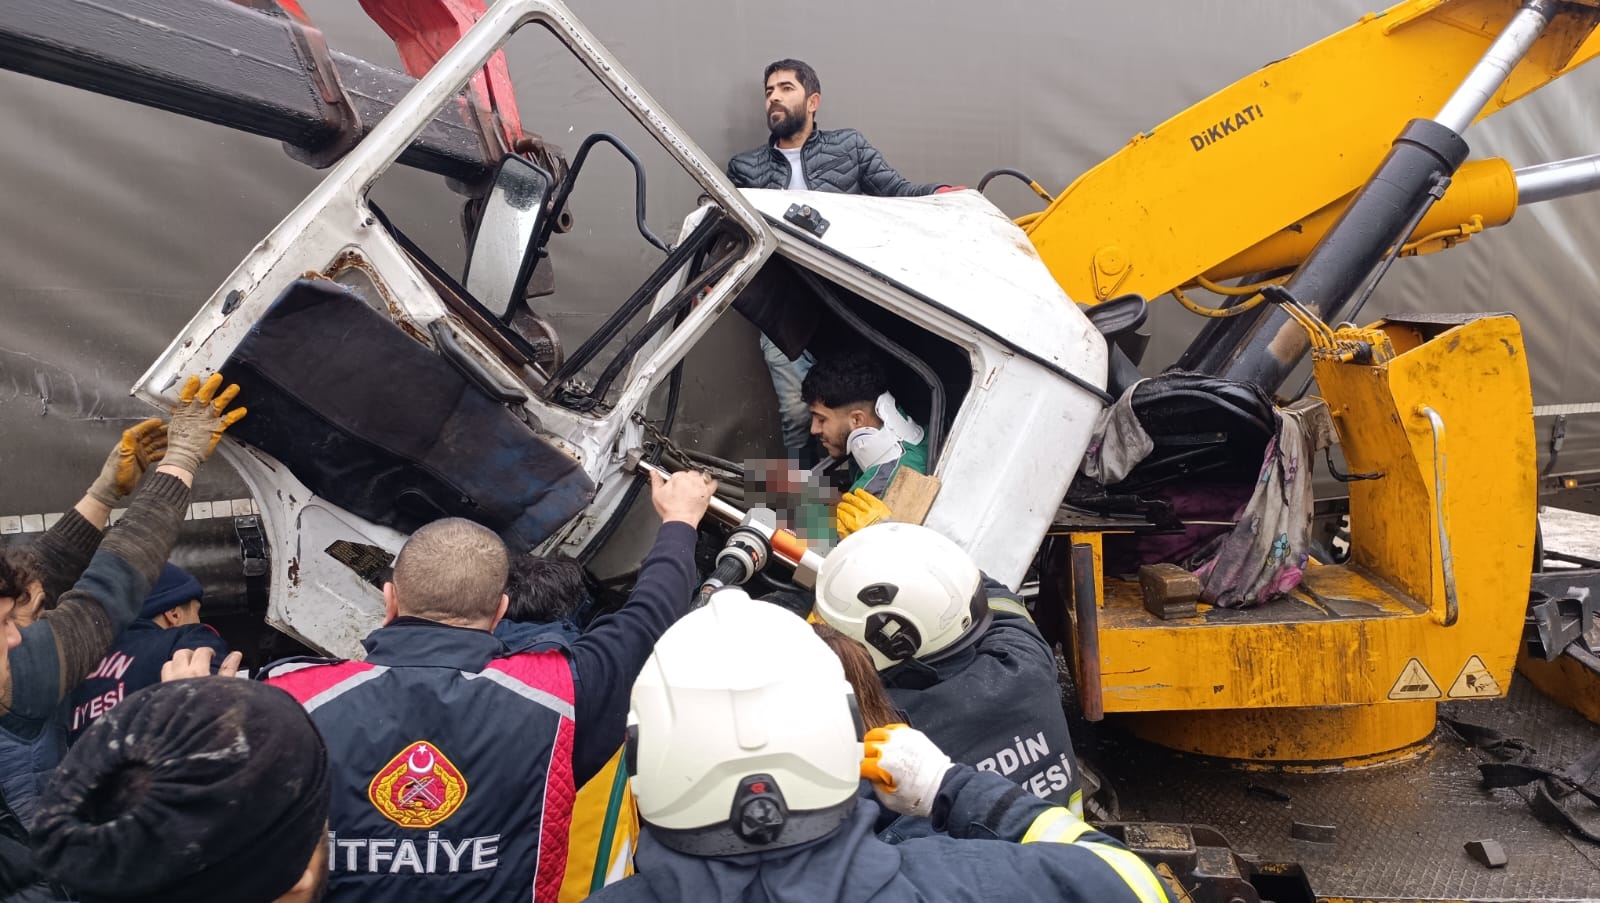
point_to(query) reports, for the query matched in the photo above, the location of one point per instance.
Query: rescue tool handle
(726, 573)
(786, 547)
(1452, 608)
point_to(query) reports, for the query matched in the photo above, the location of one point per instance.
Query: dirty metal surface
(1399, 829)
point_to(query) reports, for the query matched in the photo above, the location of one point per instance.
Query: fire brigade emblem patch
(419, 788)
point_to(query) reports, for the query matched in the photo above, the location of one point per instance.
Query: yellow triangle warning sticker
(1414, 683)
(1474, 682)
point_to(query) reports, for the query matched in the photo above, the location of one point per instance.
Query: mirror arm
(571, 181)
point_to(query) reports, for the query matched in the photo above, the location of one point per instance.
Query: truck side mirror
(503, 254)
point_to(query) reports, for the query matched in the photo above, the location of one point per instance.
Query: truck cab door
(384, 394)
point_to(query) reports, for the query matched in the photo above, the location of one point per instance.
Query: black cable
(631, 494)
(564, 191)
(673, 309)
(636, 302)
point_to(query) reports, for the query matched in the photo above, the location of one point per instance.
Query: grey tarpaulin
(119, 220)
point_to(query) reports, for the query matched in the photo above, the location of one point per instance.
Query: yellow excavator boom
(1264, 166)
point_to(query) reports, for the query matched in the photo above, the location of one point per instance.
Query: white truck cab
(385, 392)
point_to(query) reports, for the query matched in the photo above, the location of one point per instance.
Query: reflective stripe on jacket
(996, 705)
(450, 782)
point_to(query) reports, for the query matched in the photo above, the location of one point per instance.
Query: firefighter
(747, 764)
(548, 603)
(42, 663)
(33, 578)
(959, 654)
(455, 759)
(168, 620)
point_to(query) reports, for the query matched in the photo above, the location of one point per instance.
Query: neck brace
(873, 446)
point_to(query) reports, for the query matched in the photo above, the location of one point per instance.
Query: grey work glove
(139, 448)
(198, 421)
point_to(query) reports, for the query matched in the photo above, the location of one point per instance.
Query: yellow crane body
(1428, 608)
(1289, 141)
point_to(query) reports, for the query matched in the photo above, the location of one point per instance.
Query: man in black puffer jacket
(800, 156)
(835, 160)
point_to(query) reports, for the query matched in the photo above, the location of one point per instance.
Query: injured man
(867, 438)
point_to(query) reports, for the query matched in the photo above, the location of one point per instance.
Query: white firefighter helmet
(743, 734)
(904, 591)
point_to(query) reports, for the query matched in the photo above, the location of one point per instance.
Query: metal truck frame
(1037, 367)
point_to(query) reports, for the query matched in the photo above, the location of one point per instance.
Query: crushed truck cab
(385, 393)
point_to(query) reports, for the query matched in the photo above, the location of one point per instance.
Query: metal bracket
(338, 111)
(807, 218)
(1197, 864)
(1558, 438)
(1347, 477)
(253, 556)
(1452, 607)
(1562, 606)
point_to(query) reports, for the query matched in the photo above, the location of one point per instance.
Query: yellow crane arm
(1259, 170)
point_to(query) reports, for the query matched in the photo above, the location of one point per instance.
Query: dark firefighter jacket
(133, 664)
(838, 160)
(66, 643)
(107, 584)
(996, 705)
(456, 760)
(1058, 858)
(28, 754)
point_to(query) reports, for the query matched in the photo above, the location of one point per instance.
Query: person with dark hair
(800, 156)
(456, 759)
(854, 414)
(749, 763)
(36, 575)
(546, 595)
(547, 600)
(195, 790)
(168, 621)
(18, 576)
(108, 578)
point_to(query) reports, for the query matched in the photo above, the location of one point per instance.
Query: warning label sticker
(1414, 683)
(1474, 682)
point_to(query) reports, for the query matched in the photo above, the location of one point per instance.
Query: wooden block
(1169, 591)
(911, 495)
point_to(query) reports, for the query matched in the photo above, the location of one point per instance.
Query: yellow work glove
(904, 767)
(859, 509)
(139, 448)
(198, 421)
